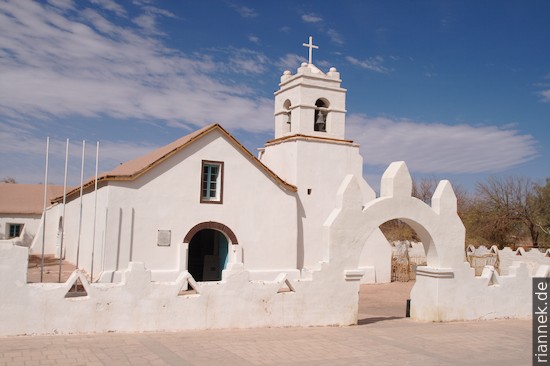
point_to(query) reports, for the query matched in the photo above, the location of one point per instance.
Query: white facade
(258, 210)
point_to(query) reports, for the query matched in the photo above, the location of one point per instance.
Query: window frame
(218, 199)
(10, 225)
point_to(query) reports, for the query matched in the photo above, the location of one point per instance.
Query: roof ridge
(134, 168)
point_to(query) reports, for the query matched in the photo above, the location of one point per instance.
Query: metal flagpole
(63, 214)
(80, 215)
(95, 209)
(44, 212)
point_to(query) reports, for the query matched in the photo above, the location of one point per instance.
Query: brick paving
(383, 337)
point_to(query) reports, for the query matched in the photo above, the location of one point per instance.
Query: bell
(320, 124)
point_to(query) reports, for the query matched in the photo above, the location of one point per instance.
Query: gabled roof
(25, 199)
(133, 169)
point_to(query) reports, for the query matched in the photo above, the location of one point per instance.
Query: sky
(459, 90)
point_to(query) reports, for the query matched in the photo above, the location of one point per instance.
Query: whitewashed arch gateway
(439, 226)
(444, 288)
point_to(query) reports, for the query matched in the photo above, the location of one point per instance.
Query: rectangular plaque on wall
(164, 238)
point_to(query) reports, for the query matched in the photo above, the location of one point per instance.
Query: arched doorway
(207, 255)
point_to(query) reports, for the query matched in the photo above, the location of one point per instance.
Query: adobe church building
(200, 234)
(204, 203)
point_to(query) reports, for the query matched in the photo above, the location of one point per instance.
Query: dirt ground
(383, 301)
(51, 269)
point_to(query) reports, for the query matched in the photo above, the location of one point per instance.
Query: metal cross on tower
(311, 46)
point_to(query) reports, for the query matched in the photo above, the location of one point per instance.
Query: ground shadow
(376, 319)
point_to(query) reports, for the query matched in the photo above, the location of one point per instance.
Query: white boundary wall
(446, 289)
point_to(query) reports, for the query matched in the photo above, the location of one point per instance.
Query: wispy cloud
(545, 96)
(335, 36)
(290, 61)
(285, 29)
(111, 6)
(244, 61)
(311, 18)
(62, 4)
(374, 63)
(244, 11)
(54, 65)
(31, 149)
(440, 148)
(148, 20)
(254, 39)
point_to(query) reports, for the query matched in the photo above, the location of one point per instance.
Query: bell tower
(310, 151)
(310, 103)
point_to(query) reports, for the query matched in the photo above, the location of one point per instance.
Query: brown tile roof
(132, 169)
(25, 199)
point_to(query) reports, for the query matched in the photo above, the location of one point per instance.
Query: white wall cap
(444, 198)
(396, 181)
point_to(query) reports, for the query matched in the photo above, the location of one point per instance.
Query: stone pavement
(382, 338)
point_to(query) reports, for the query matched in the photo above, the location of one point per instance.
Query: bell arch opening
(320, 115)
(288, 113)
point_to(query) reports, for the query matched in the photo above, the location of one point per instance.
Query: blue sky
(460, 90)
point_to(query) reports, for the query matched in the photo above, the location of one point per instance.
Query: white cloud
(54, 66)
(254, 39)
(111, 6)
(62, 4)
(439, 148)
(285, 29)
(311, 18)
(245, 11)
(374, 63)
(545, 96)
(290, 61)
(335, 36)
(27, 156)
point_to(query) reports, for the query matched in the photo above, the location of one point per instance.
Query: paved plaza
(383, 337)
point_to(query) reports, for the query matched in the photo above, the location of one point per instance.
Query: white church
(201, 234)
(204, 203)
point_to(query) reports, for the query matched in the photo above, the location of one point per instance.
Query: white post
(63, 214)
(104, 238)
(95, 209)
(44, 212)
(80, 214)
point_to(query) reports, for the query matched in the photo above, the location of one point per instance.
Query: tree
(541, 207)
(514, 206)
(9, 180)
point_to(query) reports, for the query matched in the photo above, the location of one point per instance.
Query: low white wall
(460, 295)
(534, 259)
(137, 304)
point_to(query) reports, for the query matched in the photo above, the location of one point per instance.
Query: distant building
(21, 207)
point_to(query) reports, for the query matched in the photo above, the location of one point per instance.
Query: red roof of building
(26, 199)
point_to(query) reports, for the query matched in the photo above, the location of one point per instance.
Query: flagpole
(95, 209)
(80, 214)
(63, 214)
(44, 212)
